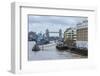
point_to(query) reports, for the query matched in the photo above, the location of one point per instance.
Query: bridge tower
(60, 34)
(47, 33)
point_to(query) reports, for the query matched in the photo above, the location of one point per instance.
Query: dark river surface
(49, 53)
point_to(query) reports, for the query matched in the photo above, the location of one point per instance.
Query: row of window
(82, 34)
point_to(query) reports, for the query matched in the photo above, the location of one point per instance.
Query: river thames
(50, 53)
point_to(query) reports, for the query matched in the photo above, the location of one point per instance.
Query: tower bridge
(57, 32)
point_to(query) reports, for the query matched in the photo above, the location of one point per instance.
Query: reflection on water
(49, 53)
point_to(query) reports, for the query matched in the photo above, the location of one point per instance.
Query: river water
(49, 53)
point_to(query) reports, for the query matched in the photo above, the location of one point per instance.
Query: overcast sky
(53, 23)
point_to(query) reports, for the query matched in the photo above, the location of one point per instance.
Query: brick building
(82, 34)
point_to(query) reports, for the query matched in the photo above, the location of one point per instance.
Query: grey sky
(53, 23)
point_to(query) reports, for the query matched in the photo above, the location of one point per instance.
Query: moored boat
(35, 48)
(61, 47)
